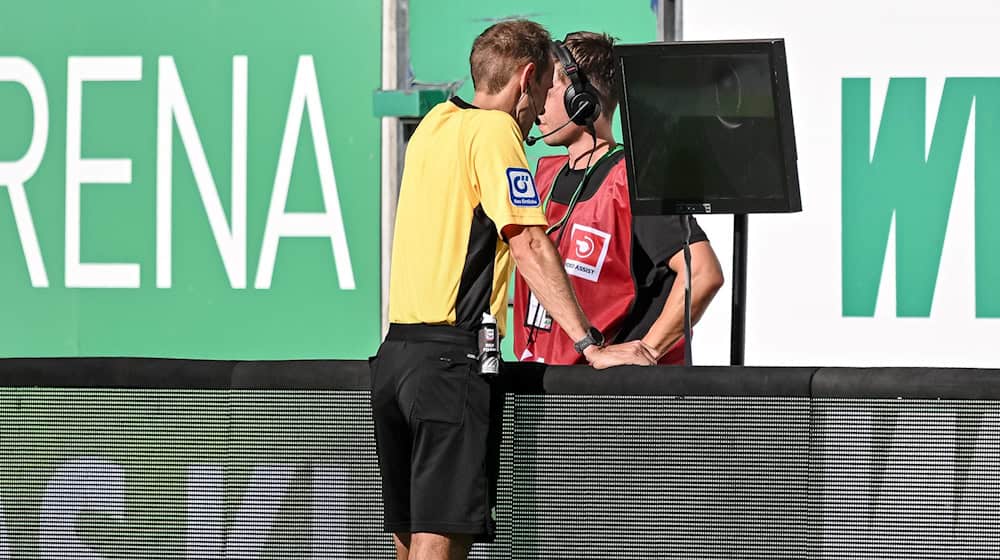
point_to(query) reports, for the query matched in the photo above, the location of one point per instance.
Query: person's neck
(502, 101)
(583, 149)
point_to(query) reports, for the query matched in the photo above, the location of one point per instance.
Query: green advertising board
(201, 178)
(195, 178)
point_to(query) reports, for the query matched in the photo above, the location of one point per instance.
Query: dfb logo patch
(522, 187)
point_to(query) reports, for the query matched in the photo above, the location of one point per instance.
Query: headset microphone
(532, 139)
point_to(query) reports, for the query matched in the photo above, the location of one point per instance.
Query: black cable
(579, 191)
(686, 219)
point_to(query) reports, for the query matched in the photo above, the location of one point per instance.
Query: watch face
(594, 337)
(597, 335)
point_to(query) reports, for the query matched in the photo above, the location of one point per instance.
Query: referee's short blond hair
(505, 47)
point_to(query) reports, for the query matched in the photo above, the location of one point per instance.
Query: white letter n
(172, 105)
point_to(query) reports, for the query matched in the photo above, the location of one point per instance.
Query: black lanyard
(576, 194)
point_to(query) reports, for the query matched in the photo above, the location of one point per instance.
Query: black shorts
(437, 430)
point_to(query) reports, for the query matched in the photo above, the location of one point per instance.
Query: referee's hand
(633, 353)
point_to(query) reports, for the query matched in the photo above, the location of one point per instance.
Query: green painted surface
(309, 309)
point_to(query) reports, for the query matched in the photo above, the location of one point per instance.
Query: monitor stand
(738, 324)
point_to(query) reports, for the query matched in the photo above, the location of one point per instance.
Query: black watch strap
(594, 337)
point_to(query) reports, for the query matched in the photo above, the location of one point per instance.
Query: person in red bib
(627, 271)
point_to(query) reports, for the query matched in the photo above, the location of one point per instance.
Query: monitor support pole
(738, 326)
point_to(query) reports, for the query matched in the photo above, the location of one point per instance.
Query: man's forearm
(669, 326)
(706, 279)
(542, 268)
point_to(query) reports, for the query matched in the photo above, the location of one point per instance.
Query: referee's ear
(526, 76)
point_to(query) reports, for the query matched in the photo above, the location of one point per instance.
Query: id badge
(537, 317)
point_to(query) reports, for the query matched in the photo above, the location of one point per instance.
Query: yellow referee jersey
(464, 179)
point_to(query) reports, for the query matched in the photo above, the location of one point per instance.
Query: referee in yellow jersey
(467, 204)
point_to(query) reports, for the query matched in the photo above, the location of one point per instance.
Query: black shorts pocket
(443, 389)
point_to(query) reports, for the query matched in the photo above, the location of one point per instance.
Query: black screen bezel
(775, 49)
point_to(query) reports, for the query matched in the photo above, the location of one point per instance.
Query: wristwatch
(594, 337)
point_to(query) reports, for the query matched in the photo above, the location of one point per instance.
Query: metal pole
(668, 20)
(737, 339)
(395, 66)
(678, 13)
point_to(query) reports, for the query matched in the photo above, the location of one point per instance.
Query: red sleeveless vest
(596, 248)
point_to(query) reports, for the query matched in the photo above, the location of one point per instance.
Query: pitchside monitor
(708, 127)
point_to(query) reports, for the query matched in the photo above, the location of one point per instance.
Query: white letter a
(305, 96)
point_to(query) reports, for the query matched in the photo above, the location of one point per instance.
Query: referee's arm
(542, 268)
(496, 149)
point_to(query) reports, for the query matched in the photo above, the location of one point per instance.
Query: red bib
(596, 248)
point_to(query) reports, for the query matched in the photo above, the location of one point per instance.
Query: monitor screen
(708, 127)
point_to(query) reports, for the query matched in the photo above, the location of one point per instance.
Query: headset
(581, 99)
(583, 104)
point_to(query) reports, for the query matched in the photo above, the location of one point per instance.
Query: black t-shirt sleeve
(661, 237)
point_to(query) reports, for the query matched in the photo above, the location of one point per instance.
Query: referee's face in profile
(555, 112)
(533, 104)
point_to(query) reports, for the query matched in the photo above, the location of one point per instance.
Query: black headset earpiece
(581, 99)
